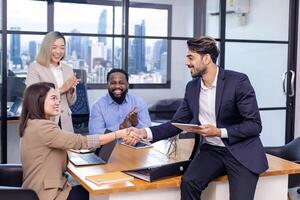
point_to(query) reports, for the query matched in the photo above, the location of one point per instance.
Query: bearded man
(118, 109)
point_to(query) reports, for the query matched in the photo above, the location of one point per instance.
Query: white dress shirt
(58, 74)
(207, 113)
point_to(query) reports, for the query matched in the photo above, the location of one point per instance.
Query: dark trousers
(212, 162)
(78, 193)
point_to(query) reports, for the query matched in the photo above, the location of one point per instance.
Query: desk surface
(128, 158)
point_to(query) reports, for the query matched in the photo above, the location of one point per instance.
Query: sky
(32, 16)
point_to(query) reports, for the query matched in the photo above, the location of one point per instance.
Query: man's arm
(182, 115)
(250, 126)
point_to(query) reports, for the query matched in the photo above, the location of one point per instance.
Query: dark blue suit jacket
(236, 110)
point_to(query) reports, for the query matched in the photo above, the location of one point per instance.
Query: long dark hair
(33, 103)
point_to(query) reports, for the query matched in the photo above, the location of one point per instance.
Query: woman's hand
(129, 136)
(69, 85)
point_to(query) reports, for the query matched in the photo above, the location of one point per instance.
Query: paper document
(110, 177)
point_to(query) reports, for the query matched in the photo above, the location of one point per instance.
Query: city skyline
(97, 55)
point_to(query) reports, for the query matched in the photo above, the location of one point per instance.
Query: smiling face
(57, 51)
(197, 63)
(52, 104)
(117, 84)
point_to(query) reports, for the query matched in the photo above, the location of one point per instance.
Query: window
(96, 40)
(101, 35)
(26, 15)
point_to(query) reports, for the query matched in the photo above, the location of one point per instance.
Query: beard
(120, 99)
(199, 73)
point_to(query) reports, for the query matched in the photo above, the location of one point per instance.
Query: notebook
(100, 156)
(111, 177)
(153, 173)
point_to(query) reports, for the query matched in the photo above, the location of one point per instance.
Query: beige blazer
(44, 158)
(38, 73)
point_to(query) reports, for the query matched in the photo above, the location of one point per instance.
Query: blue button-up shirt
(107, 114)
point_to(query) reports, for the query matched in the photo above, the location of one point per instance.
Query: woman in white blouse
(49, 68)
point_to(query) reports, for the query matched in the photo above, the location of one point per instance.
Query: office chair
(163, 110)
(11, 176)
(80, 110)
(15, 88)
(81, 74)
(291, 152)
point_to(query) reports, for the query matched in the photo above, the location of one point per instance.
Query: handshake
(133, 135)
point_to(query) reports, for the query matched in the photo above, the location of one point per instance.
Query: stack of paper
(111, 177)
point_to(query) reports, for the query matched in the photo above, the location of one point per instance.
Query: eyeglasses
(172, 150)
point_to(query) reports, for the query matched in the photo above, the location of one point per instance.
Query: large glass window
(99, 19)
(101, 35)
(148, 21)
(97, 55)
(96, 40)
(26, 15)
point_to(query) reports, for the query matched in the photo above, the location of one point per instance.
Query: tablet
(186, 127)
(139, 145)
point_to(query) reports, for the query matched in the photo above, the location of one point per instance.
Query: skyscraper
(160, 47)
(102, 26)
(15, 47)
(138, 50)
(32, 50)
(74, 47)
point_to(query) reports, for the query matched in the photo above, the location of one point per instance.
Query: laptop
(100, 156)
(153, 173)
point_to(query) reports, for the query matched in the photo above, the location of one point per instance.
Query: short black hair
(204, 45)
(117, 70)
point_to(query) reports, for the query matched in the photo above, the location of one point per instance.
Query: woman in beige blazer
(44, 145)
(49, 68)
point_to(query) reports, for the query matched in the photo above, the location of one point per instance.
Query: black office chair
(11, 176)
(80, 110)
(81, 74)
(163, 110)
(291, 152)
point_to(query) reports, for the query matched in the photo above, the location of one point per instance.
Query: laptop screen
(105, 151)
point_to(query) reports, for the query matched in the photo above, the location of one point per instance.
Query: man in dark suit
(223, 102)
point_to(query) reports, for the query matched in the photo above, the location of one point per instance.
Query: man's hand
(207, 130)
(124, 124)
(133, 117)
(135, 133)
(130, 137)
(130, 119)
